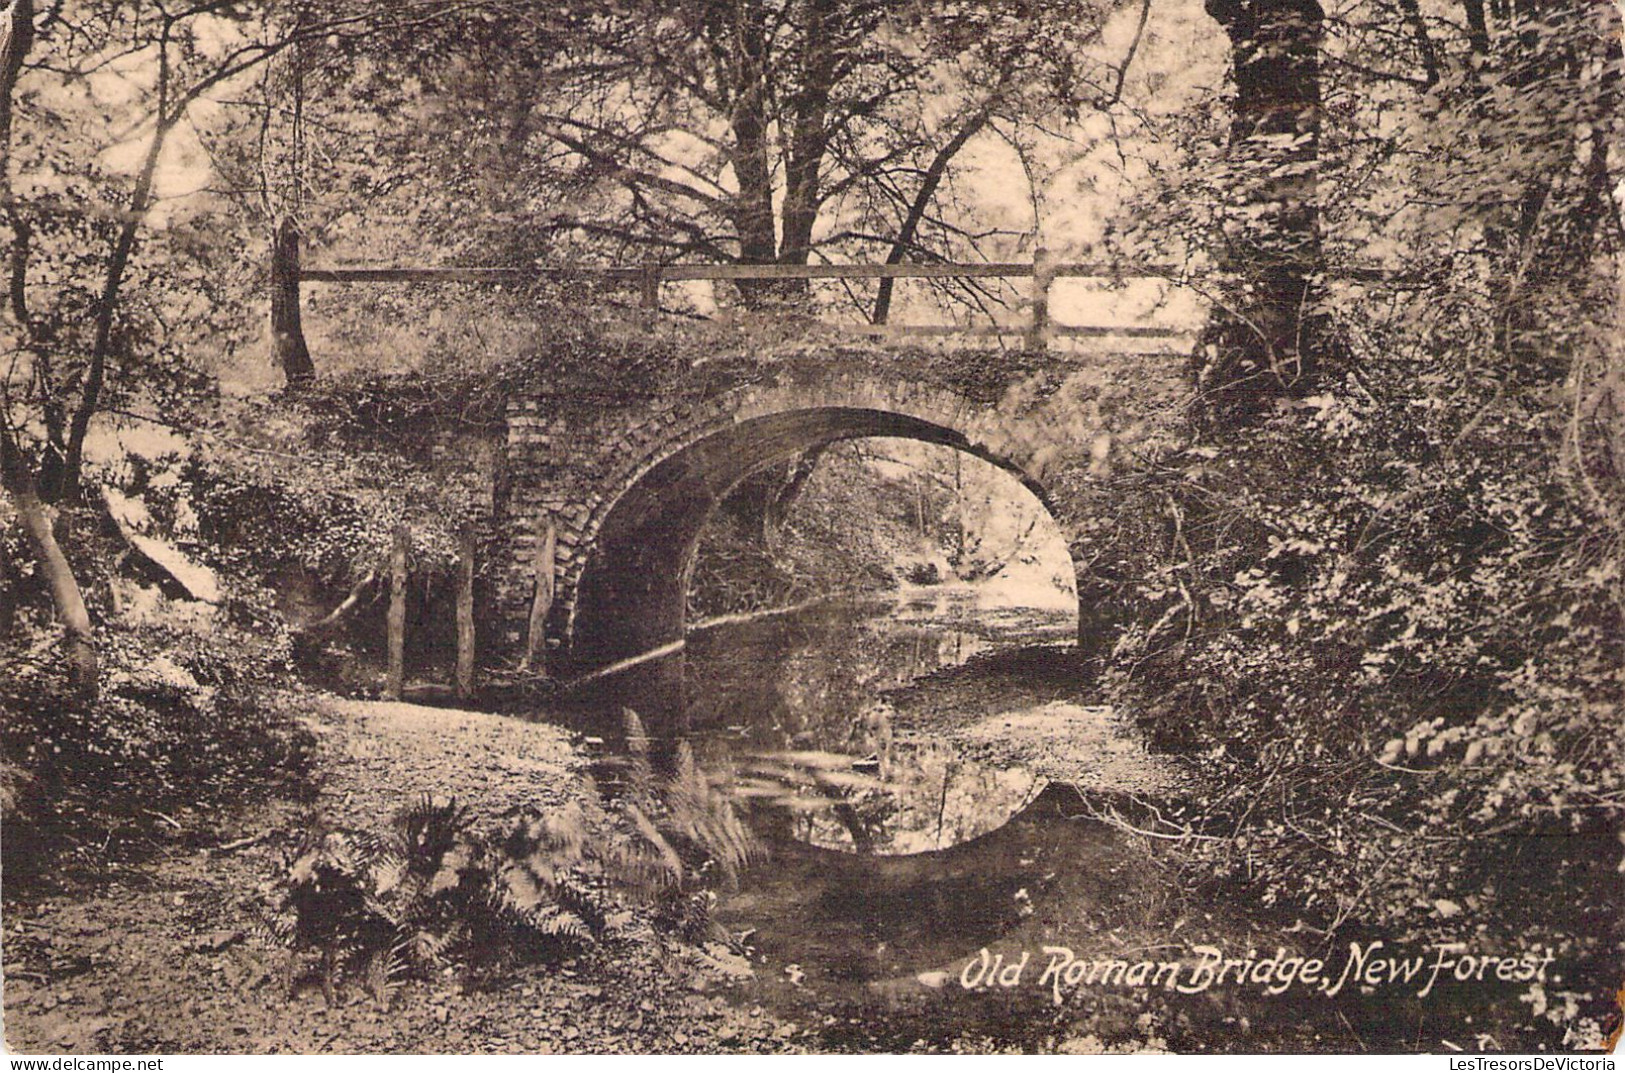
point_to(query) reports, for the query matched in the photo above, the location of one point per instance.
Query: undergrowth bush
(183, 726)
(1389, 629)
(185, 720)
(434, 890)
(429, 892)
(844, 532)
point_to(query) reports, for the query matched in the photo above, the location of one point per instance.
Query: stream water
(923, 779)
(818, 716)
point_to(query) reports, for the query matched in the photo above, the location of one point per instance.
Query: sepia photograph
(996, 527)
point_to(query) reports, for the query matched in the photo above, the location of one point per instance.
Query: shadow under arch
(631, 598)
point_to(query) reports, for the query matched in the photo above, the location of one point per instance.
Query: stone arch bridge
(626, 480)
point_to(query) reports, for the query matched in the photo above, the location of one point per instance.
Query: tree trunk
(763, 500)
(79, 639)
(753, 206)
(546, 551)
(397, 616)
(8, 592)
(465, 616)
(287, 332)
(16, 39)
(1270, 333)
(809, 136)
(1548, 55)
(906, 234)
(1478, 29)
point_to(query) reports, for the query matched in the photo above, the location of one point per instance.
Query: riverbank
(164, 955)
(837, 952)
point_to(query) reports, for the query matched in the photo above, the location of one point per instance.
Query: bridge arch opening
(631, 598)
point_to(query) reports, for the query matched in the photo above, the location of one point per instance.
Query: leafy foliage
(1385, 617)
(189, 717)
(177, 733)
(1390, 630)
(426, 893)
(434, 891)
(863, 515)
(768, 131)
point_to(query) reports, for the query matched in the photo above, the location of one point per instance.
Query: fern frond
(384, 967)
(428, 948)
(559, 923)
(278, 928)
(522, 888)
(645, 873)
(655, 841)
(640, 778)
(429, 829)
(704, 817)
(393, 914)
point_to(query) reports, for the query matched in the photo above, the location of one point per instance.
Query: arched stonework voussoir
(622, 591)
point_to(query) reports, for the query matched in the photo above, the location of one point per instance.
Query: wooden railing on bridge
(1038, 331)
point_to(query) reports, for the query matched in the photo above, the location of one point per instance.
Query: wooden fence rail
(671, 273)
(1039, 330)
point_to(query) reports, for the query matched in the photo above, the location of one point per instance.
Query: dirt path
(378, 755)
(165, 957)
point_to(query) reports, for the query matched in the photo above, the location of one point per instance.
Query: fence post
(287, 333)
(1039, 333)
(649, 285)
(397, 615)
(544, 567)
(465, 614)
